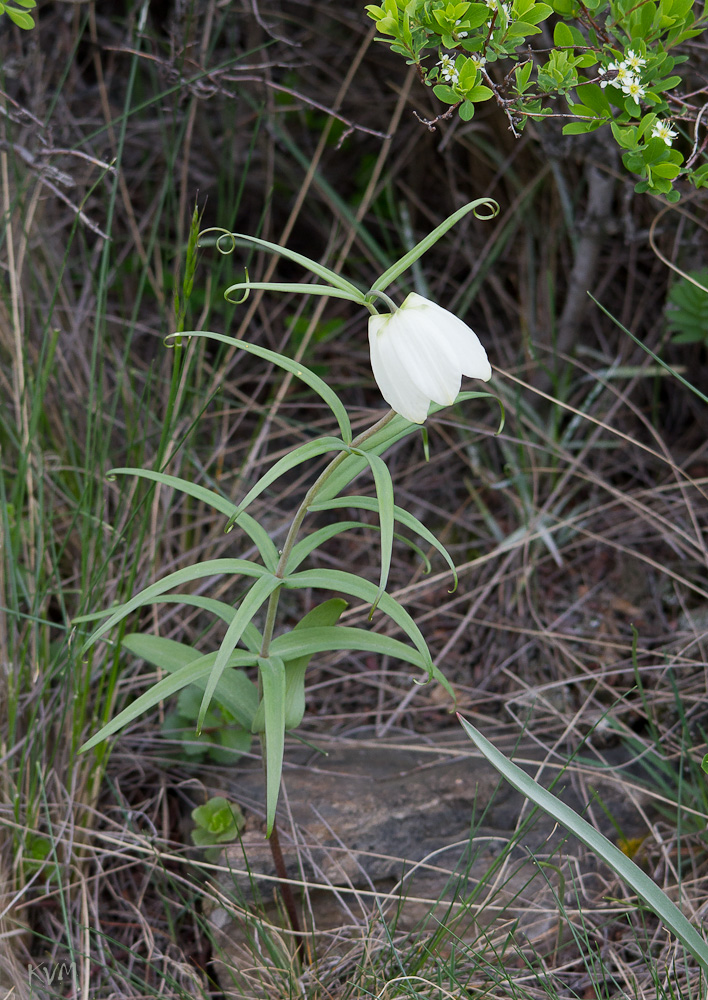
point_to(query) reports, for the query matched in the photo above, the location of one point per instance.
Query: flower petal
(461, 341)
(421, 353)
(395, 386)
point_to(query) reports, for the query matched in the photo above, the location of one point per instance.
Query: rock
(405, 833)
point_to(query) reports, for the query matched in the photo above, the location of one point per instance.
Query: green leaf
(235, 691)
(300, 371)
(307, 545)
(594, 97)
(687, 307)
(669, 170)
(647, 890)
(466, 111)
(331, 277)
(252, 601)
(258, 535)
(384, 495)
(211, 567)
(399, 513)
(523, 74)
(251, 637)
(479, 93)
(218, 821)
(311, 449)
(289, 287)
(394, 431)
(298, 659)
(625, 137)
(581, 128)
(21, 19)
(191, 673)
(348, 583)
(431, 239)
(445, 93)
(272, 673)
(562, 35)
(309, 641)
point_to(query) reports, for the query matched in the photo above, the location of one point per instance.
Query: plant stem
(276, 852)
(300, 517)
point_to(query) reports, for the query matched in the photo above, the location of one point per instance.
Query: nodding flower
(419, 354)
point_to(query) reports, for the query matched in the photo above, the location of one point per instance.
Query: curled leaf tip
(246, 285)
(225, 243)
(486, 209)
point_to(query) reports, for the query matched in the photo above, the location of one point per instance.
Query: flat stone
(409, 833)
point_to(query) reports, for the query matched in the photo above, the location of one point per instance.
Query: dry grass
(585, 518)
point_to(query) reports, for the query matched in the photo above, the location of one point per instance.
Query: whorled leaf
(258, 535)
(191, 673)
(645, 887)
(153, 593)
(295, 368)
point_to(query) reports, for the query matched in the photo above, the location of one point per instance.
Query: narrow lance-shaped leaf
(251, 638)
(235, 691)
(340, 637)
(331, 277)
(302, 454)
(256, 596)
(212, 567)
(425, 244)
(384, 495)
(309, 543)
(639, 881)
(258, 535)
(191, 673)
(399, 513)
(295, 368)
(394, 431)
(302, 288)
(324, 614)
(348, 583)
(272, 673)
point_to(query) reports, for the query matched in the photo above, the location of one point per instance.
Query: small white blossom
(447, 63)
(633, 88)
(634, 61)
(663, 130)
(478, 59)
(419, 354)
(460, 34)
(624, 76)
(448, 73)
(611, 68)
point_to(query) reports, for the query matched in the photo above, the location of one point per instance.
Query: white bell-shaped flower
(419, 353)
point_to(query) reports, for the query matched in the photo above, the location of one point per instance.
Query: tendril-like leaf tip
(492, 210)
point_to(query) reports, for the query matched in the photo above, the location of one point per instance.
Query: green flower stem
(300, 517)
(379, 295)
(285, 888)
